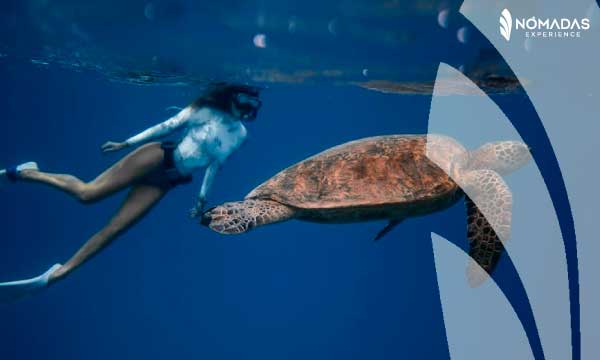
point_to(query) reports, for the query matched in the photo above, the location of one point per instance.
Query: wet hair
(220, 95)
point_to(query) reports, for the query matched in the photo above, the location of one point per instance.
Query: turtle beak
(206, 217)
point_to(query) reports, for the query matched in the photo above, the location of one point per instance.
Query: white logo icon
(506, 24)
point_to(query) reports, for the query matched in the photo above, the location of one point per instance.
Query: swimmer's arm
(215, 165)
(155, 132)
(162, 129)
(211, 172)
(209, 177)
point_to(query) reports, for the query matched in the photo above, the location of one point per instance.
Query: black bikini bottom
(173, 175)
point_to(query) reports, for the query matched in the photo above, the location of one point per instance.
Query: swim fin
(14, 290)
(11, 174)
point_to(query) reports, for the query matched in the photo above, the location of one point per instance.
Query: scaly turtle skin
(390, 177)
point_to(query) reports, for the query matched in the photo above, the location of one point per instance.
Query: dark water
(183, 42)
(170, 288)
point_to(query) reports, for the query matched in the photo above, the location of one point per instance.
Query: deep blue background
(170, 288)
(285, 291)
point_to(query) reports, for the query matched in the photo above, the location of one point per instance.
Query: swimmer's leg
(139, 201)
(123, 174)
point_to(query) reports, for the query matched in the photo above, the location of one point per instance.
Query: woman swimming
(212, 130)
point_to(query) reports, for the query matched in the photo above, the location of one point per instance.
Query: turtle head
(503, 157)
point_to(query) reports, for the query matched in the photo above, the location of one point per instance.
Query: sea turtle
(390, 177)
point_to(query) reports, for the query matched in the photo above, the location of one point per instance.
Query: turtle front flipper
(242, 216)
(489, 215)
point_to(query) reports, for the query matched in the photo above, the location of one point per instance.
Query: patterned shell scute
(368, 172)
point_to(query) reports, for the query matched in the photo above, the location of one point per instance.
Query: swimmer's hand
(110, 146)
(197, 210)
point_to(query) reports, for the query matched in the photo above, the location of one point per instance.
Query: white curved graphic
(505, 24)
(535, 244)
(567, 103)
(476, 320)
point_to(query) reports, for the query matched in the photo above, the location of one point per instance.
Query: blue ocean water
(172, 289)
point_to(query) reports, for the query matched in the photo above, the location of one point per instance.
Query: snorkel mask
(247, 105)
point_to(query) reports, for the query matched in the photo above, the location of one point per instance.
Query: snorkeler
(212, 129)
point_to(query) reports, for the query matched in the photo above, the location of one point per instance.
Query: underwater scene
(248, 89)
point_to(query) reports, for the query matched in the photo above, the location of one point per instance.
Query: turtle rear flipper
(489, 212)
(389, 227)
(242, 216)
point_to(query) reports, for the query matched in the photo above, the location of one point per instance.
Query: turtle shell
(382, 170)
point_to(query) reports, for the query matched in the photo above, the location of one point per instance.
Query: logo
(505, 24)
(542, 28)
